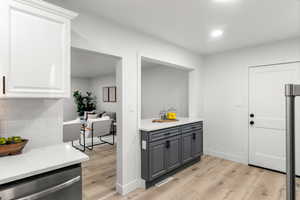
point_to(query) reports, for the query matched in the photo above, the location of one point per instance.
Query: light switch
(144, 145)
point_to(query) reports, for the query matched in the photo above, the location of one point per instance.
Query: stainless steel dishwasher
(62, 184)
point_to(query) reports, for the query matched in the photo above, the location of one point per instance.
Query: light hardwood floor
(211, 179)
(99, 173)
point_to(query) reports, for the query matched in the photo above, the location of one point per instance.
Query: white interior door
(267, 104)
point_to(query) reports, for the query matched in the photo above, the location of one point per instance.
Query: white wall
(38, 120)
(96, 34)
(164, 87)
(226, 95)
(97, 85)
(69, 107)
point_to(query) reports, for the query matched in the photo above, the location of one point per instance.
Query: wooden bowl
(12, 149)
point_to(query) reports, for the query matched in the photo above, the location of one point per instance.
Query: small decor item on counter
(166, 116)
(12, 145)
(162, 115)
(171, 114)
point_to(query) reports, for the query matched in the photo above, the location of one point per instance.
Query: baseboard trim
(226, 156)
(129, 187)
(272, 170)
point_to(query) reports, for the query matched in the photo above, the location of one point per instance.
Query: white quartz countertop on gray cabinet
(148, 125)
(37, 161)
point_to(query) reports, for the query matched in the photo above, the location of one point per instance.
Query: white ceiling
(88, 64)
(189, 23)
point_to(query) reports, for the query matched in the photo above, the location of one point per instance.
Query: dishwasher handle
(51, 190)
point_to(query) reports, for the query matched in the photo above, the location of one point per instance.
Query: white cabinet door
(37, 51)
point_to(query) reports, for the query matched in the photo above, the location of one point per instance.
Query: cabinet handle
(3, 83)
(54, 189)
(167, 144)
(194, 136)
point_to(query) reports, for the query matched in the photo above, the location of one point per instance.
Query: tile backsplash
(39, 120)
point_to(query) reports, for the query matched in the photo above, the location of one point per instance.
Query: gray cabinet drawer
(163, 134)
(192, 127)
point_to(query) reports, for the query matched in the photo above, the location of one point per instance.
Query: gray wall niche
(163, 87)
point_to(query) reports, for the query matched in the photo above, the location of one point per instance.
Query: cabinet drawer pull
(167, 144)
(194, 136)
(3, 84)
(43, 193)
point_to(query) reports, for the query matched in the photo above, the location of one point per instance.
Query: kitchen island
(169, 147)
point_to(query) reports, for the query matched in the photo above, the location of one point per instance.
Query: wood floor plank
(211, 179)
(99, 173)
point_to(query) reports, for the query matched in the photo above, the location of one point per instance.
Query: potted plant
(84, 103)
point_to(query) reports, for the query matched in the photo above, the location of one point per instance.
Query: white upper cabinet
(35, 49)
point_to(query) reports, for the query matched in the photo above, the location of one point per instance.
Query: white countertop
(37, 161)
(148, 125)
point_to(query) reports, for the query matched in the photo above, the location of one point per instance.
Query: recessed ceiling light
(223, 1)
(216, 33)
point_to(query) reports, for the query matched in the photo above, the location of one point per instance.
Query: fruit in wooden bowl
(2, 141)
(12, 145)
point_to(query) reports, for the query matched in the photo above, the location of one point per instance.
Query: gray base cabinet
(166, 150)
(157, 156)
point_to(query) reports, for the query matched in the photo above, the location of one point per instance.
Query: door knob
(251, 122)
(251, 115)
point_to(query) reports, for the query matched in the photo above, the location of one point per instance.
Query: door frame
(120, 96)
(256, 66)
